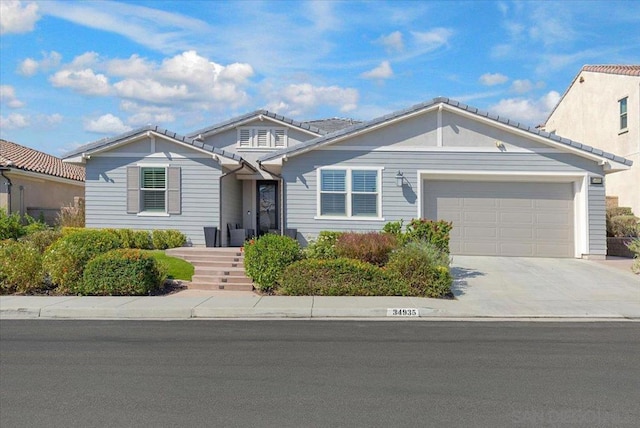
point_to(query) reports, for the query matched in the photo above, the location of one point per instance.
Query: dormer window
(623, 113)
(262, 138)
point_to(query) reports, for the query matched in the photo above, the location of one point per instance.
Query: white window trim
(144, 213)
(271, 135)
(349, 193)
(626, 128)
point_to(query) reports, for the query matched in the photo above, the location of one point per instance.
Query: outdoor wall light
(399, 179)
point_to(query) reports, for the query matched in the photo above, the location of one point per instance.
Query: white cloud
(527, 110)
(433, 39)
(297, 99)
(106, 124)
(134, 66)
(383, 71)
(492, 79)
(150, 91)
(16, 17)
(153, 28)
(8, 97)
(85, 81)
(392, 42)
(53, 119)
(521, 86)
(30, 66)
(14, 121)
(145, 115)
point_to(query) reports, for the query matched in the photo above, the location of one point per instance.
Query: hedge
(267, 257)
(20, 267)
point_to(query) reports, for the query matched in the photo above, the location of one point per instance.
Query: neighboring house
(509, 189)
(36, 183)
(601, 108)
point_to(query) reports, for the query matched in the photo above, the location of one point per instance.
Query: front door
(267, 204)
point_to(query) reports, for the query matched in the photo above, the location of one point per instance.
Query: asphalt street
(317, 374)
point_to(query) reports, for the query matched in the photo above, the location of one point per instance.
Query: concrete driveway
(540, 287)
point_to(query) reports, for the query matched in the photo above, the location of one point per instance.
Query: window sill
(623, 131)
(152, 214)
(348, 218)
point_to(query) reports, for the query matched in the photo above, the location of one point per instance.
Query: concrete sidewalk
(255, 306)
(486, 288)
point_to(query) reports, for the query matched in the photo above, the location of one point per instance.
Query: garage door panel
(480, 217)
(503, 218)
(507, 233)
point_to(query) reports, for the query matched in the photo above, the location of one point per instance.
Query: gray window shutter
(133, 190)
(173, 190)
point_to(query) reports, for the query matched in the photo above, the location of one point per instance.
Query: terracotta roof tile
(20, 157)
(628, 70)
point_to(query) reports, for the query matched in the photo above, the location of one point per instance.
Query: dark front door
(267, 206)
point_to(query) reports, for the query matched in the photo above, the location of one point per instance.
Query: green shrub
(175, 238)
(20, 267)
(126, 237)
(121, 272)
(393, 227)
(370, 247)
(266, 258)
(142, 240)
(324, 247)
(66, 230)
(424, 267)
(163, 239)
(11, 226)
(435, 232)
(42, 239)
(616, 211)
(624, 225)
(66, 259)
(634, 246)
(34, 226)
(339, 277)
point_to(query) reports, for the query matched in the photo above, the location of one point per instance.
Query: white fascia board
(253, 119)
(44, 177)
(79, 160)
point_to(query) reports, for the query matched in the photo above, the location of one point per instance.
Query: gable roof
(627, 70)
(619, 69)
(239, 120)
(106, 143)
(333, 124)
(328, 139)
(14, 155)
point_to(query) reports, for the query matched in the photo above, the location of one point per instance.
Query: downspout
(233, 171)
(281, 194)
(9, 184)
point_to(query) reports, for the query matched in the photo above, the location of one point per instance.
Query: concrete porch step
(216, 264)
(229, 287)
(215, 279)
(220, 271)
(212, 258)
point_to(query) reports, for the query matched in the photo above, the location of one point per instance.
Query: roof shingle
(627, 70)
(20, 157)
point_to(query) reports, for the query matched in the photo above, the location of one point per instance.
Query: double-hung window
(349, 193)
(623, 113)
(153, 189)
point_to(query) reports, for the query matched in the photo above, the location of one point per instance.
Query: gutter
(9, 184)
(281, 194)
(243, 163)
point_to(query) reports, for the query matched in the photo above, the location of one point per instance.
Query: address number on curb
(402, 312)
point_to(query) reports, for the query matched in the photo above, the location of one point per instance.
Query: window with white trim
(623, 113)
(153, 189)
(262, 138)
(349, 192)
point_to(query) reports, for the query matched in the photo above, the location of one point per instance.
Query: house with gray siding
(509, 189)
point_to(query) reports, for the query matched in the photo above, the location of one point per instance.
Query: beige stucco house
(35, 183)
(601, 108)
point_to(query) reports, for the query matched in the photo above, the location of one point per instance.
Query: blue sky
(74, 72)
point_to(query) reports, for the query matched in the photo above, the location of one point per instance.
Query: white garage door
(504, 219)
